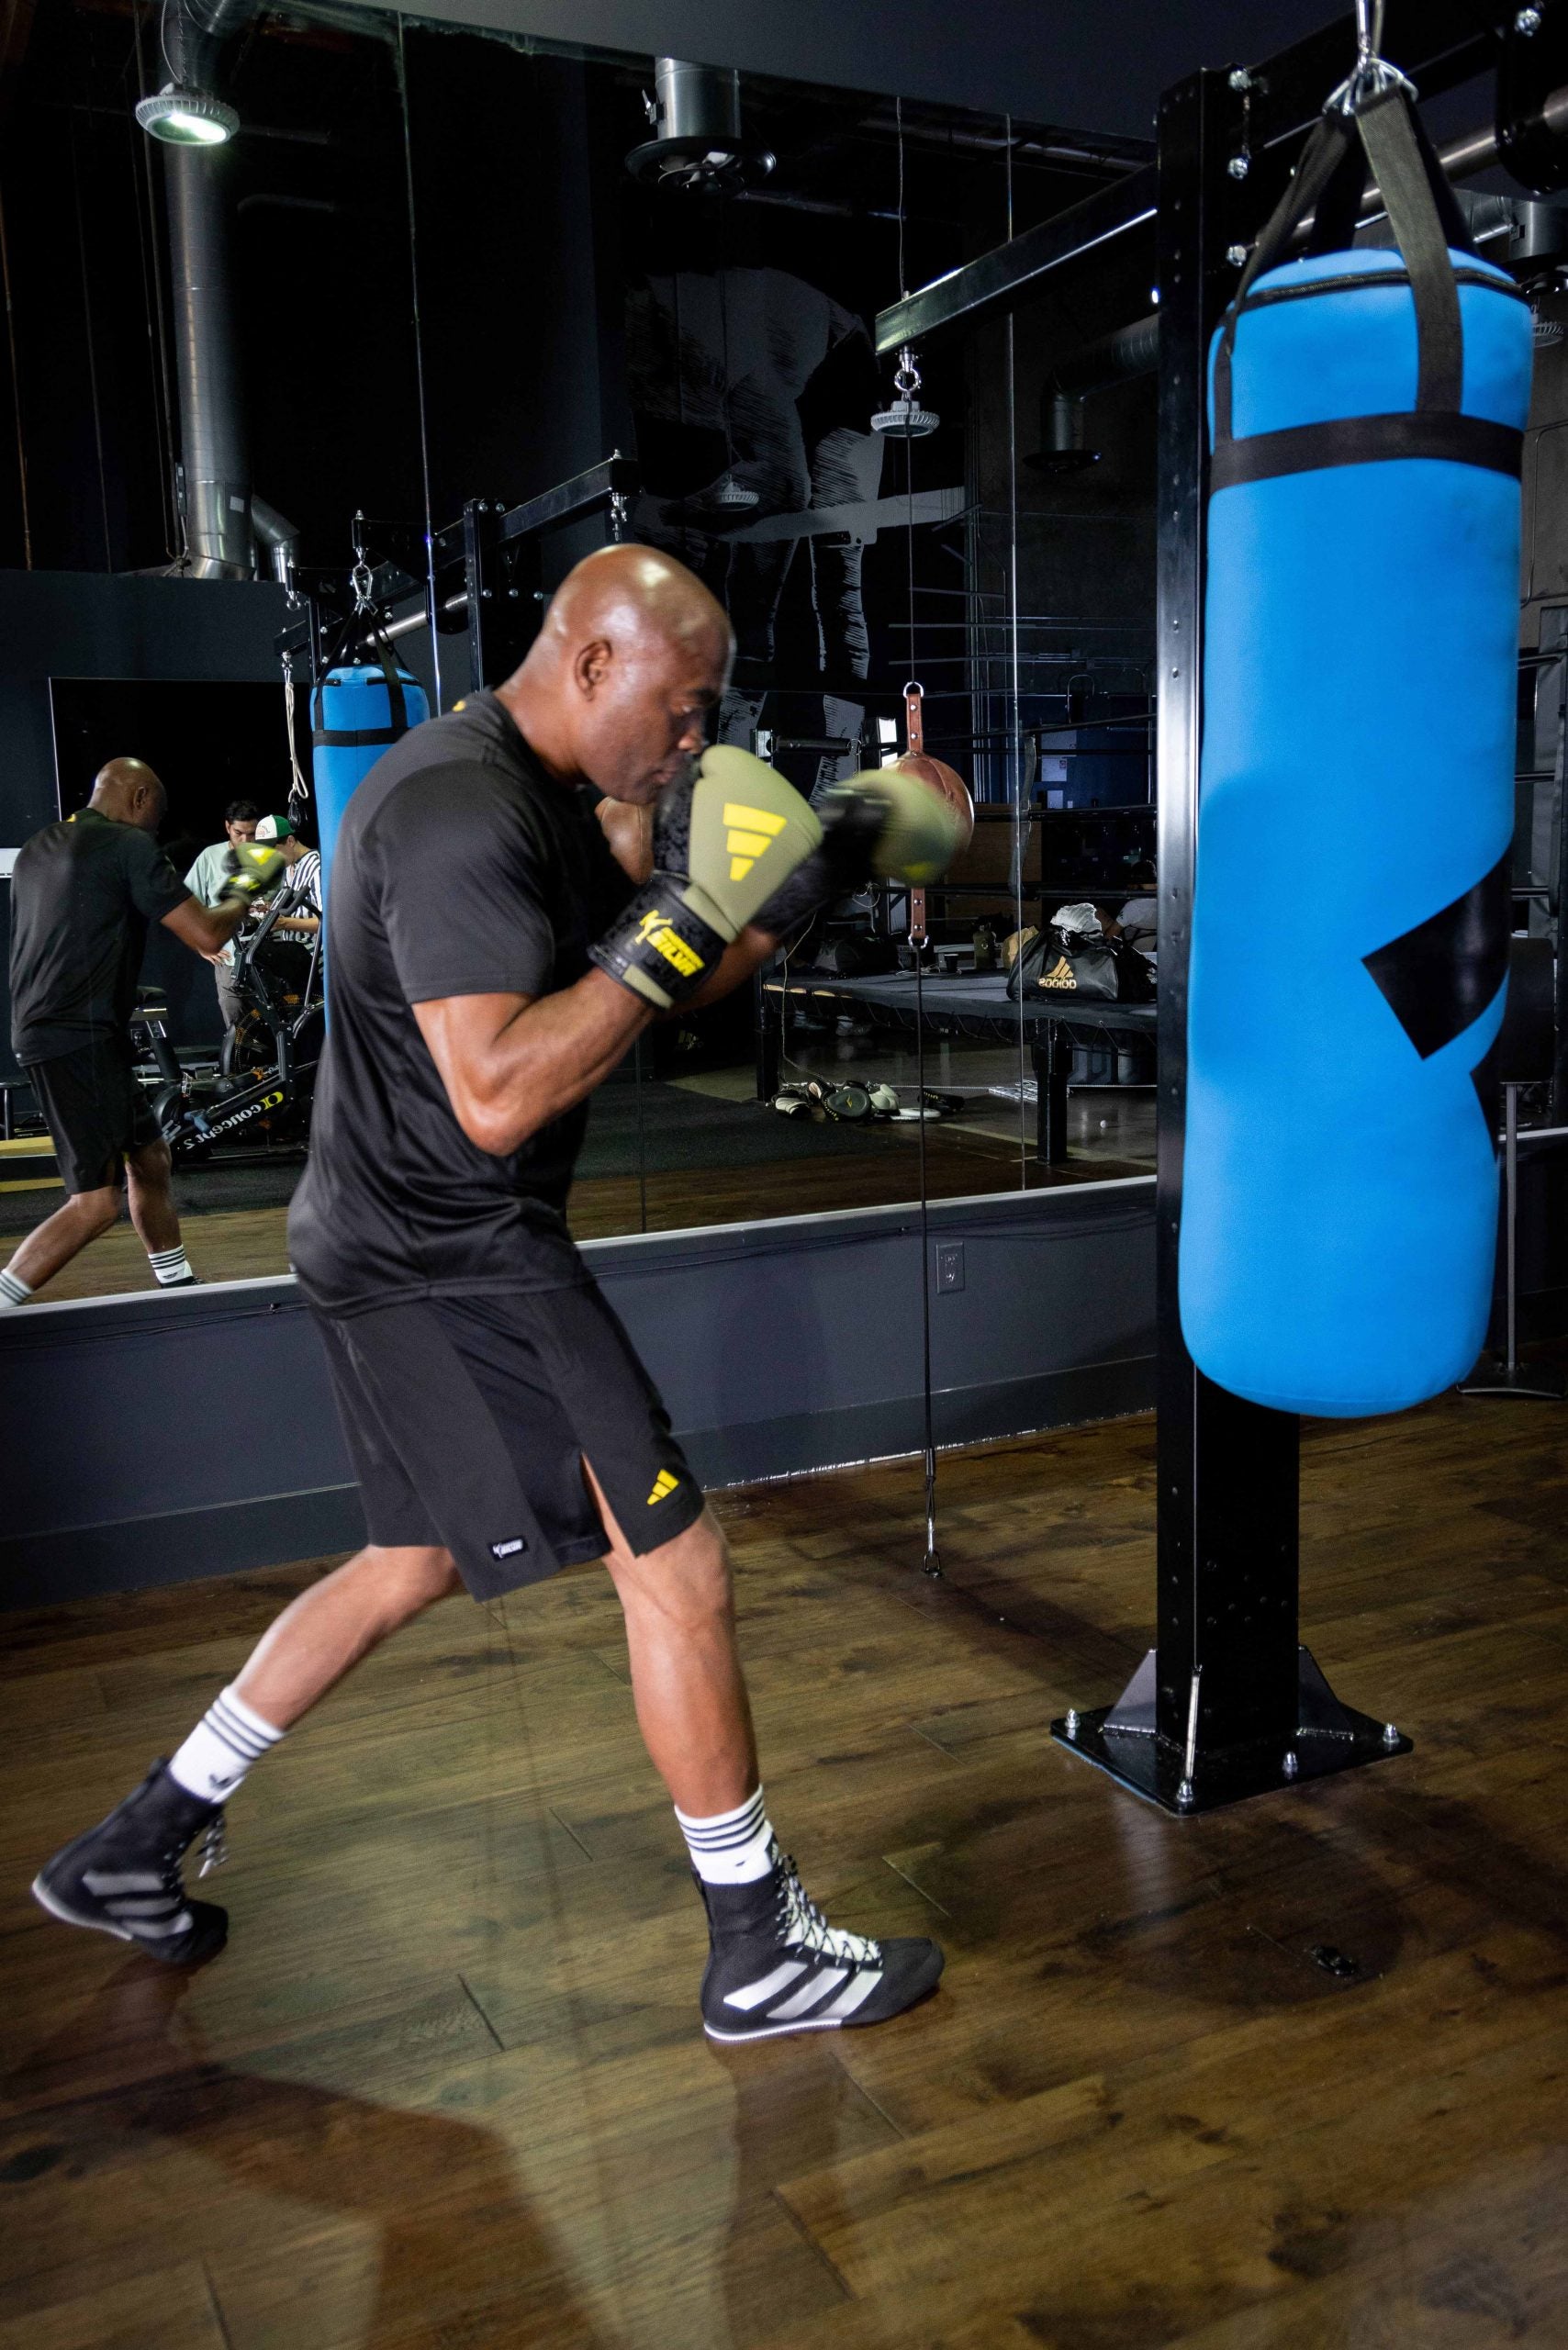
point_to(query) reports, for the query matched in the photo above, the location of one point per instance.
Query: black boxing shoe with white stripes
(123, 1876)
(778, 1966)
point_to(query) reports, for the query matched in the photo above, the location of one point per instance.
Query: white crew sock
(12, 1291)
(733, 1848)
(228, 1737)
(171, 1267)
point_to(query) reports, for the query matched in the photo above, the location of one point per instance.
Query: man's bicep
(191, 923)
(461, 1032)
(155, 887)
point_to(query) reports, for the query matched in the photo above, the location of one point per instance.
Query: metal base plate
(1531, 1382)
(1121, 1741)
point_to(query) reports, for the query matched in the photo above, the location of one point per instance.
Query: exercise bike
(262, 1086)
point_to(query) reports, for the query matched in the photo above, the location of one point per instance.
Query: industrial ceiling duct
(1115, 359)
(222, 520)
(695, 113)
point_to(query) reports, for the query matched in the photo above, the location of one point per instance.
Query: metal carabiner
(1373, 75)
(1369, 30)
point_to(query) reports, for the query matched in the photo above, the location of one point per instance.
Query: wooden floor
(447, 2090)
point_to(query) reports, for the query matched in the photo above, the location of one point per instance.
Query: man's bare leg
(687, 1681)
(64, 1235)
(323, 1634)
(153, 1210)
(774, 1964)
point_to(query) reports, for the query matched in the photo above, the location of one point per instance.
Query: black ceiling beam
(615, 477)
(1440, 43)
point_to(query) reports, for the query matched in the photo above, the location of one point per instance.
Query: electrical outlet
(949, 1266)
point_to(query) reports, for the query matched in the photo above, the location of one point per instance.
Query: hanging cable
(87, 328)
(175, 547)
(903, 281)
(642, 1138)
(931, 1562)
(16, 395)
(137, 167)
(430, 603)
(1015, 740)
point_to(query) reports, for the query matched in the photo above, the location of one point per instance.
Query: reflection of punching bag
(354, 714)
(1349, 931)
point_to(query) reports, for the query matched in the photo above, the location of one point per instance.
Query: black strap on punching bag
(1386, 134)
(355, 629)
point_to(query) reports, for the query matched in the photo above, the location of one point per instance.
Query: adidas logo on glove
(750, 831)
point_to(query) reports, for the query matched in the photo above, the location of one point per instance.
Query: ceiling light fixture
(186, 118)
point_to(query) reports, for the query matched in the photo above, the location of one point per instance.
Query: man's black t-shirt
(461, 868)
(83, 893)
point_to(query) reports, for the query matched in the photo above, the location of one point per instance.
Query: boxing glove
(252, 873)
(884, 824)
(723, 839)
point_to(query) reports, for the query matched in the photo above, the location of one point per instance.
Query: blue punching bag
(1349, 925)
(356, 712)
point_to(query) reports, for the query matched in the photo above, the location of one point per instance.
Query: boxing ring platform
(976, 1004)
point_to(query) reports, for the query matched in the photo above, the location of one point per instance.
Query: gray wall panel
(155, 1438)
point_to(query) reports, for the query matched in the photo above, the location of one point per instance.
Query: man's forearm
(509, 1072)
(746, 955)
(563, 1045)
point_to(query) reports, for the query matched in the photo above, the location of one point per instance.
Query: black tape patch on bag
(1443, 974)
(1487, 1079)
(1369, 441)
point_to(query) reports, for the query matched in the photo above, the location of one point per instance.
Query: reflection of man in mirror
(750, 380)
(303, 879)
(205, 881)
(83, 893)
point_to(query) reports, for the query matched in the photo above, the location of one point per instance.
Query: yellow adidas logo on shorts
(750, 831)
(663, 1485)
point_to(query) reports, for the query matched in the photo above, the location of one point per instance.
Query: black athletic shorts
(95, 1111)
(468, 1418)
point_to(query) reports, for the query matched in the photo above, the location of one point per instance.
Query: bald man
(83, 893)
(491, 963)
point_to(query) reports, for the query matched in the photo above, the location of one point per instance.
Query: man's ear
(592, 665)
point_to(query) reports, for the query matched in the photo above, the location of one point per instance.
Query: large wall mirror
(504, 299)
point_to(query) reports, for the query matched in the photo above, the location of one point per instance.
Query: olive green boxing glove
(253, 872)
(883, 824)
(723, 840)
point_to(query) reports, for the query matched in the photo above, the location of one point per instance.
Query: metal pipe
(421, 619)
(278, 535)
(223, 518)
(215, 458)
(696, 101)
(1131, 350)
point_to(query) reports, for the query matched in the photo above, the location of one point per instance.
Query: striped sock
(171, 1267)
(12, 1291)
(228, 1737)
(733, 1848)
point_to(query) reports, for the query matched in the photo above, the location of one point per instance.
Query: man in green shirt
(205, 881)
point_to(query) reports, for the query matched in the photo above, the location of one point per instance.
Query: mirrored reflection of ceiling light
(726, 496)
(186, 118)
(908, 418)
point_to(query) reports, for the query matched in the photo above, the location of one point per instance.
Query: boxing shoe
(123, 1876)
(776, 1966)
